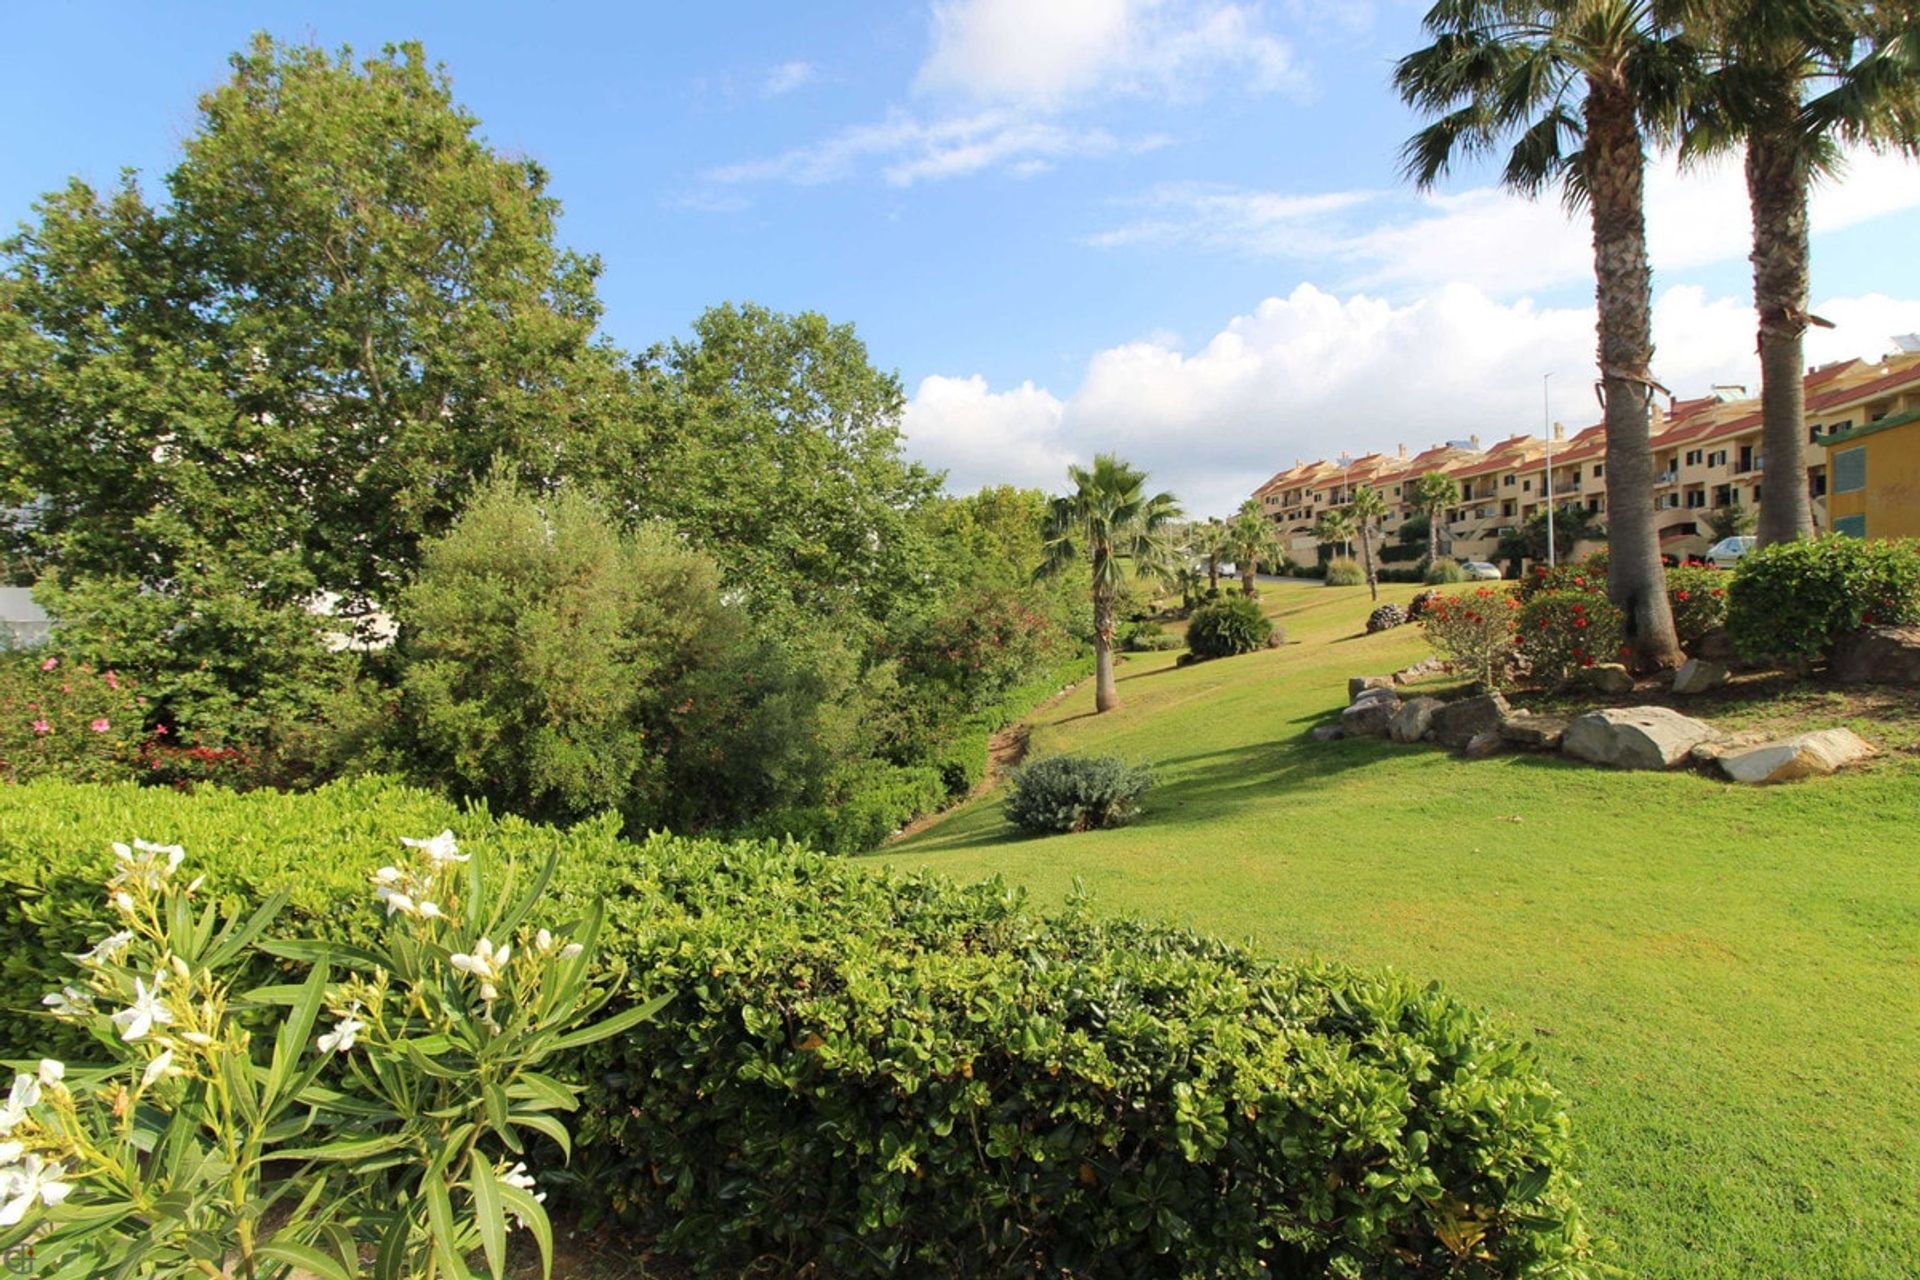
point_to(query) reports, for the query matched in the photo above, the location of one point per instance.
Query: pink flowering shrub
(66, 719)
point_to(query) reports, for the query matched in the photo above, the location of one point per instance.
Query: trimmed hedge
(1793, 600)
(869, 1074)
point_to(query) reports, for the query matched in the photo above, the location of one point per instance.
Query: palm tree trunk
(1213, 573)
(1433, 536)
(1106, 695)
(1366, 550)
(1777, 183)
(1248, 587)
(1616, 178)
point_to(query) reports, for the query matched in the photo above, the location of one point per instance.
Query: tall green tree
(1213, 544)
(1334, 526)
(1250, 535)
(1367, 510)
(1572, 525)
(1576, 87)
(1789, 82)
(1433, 493)
(1110, 524)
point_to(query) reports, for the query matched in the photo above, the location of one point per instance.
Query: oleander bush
(1228, 627)
(1791, 601)
(868, 1074)
(1474, 631)
(1589, 574)
(1563, 632)
(1698, 597)
(1076, 793)
(1345, 572)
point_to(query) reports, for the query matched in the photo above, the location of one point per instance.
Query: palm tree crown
(1110, 523)
(1251, 535)
(1433, 493)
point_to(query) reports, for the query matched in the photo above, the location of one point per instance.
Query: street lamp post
(1346, 488)
(1546, 424)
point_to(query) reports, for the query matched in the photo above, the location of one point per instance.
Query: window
(1813, 434)
(1697, 499)
(1508, 482)
(1694, 456)
(1851, 526)
(1850, 470)
(1526, 486)
(1718, 458)
(1598, 470)
(1817, 484)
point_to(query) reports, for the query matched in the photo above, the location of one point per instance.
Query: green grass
(1725, 981)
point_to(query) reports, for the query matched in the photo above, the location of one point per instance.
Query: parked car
(1480, 571)
(1726, 553)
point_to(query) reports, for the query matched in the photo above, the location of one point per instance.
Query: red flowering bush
(65, 719)
(1577, 575)
(1474, 631)
(1562, 632)
(1699, 600)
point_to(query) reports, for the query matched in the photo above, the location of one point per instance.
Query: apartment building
(1707, 455)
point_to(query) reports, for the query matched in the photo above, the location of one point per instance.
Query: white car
(1480, 571)
(1726, 553)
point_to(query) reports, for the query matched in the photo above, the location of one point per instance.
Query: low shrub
(1443, 573)
(878, 802)
(1157, 644)
(1145, 637)
(1699, 600)
(1076, 793)
(1792, 600)
(1385, 618)
(1228, 627)
(1345, 572)
(1417, 607)
(61, 718)
(1562, 632)
(1589, 574)
(1474, 632)
(871, 1074)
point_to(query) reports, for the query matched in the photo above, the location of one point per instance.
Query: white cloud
(1313, 373)
(1045, 55)
(908, 149)
(789, 76)
(1489, 237)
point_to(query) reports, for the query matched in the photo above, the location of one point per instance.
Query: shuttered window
(1850, 470)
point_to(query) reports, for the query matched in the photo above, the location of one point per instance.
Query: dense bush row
(1791, 601)
(874, 1074)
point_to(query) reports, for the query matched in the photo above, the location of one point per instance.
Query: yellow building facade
(1873, 478)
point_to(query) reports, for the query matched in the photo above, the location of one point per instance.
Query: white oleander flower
(388, 876)
(395, 901)
(10, 1153)
(24, 1094)
(518, 1178)
(343, 1036)
(484, 963)
(431, 911)
(198, 1039)
(107, 948)
(157, 1068)
(68, 1002)
(146, 1011)
(27, 1181)
(543, 942)
(123, 902)
(52, 1071)
(441, 848)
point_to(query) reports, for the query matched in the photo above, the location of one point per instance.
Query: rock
(1385, 618)
(1369, 718)
(1610, 677)
(1535, 733)
(1696, 675)
(1634, 737)
(1482, 745)
(1455, 723)
(1357, 685)
(1411, 721)
(1716, 646)
(1809, 755)
(1878, 655)
(1327, 733)
(1369, 695)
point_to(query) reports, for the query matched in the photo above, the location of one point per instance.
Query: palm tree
(1366, 510)
(1578, 85)
(1334, 525)
(1251, 535)
(1109, 522)
(1792, 80)
(1433, 493)
(1211, 543)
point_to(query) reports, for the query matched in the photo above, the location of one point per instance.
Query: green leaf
(232, 941)
(307, 1258)
(440, 1222)
(345, 1149)
(523, 1206)
(488, 1215)
(612, 1026)
(543, 1123)
(292, 1040)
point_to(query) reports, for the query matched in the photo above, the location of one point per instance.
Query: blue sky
(1171, 227)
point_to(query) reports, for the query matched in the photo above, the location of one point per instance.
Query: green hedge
(870, 1074)
(1793, 600)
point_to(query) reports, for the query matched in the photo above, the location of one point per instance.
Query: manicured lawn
(1726, 982)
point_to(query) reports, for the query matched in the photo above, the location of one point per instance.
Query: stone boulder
(1327, 733)
(1535, 733)
(1370, 717)
(1878, 655)
(1810, 755)
(1456, 723)
(1610, 677)
(1414, 718)
(1634, 737)
(1357, 685)
(1696, 675)
(1716, 645)
(1482, 745)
